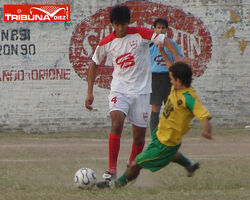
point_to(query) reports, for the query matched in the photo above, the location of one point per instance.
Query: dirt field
(35, 166)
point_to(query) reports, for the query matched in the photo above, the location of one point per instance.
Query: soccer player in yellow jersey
(181, 107)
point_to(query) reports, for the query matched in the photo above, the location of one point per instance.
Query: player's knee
(117, 127)
(140, 141)
(134, 166)
(139, 138)
(176, 157)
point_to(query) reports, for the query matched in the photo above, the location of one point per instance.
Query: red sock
(135, 151)
(114, 148)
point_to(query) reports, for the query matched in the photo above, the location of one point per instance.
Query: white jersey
(131, 59)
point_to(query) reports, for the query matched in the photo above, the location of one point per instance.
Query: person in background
(160, 76)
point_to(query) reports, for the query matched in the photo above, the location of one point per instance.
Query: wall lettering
(21, 46)
(35, 74)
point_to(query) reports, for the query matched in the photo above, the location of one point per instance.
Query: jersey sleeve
(195, 106)
(157, 38)
(99, 54)
(149, 35)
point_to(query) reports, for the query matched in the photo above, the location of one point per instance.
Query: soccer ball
(85, 178)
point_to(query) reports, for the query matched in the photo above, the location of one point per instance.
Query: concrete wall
(43, 65)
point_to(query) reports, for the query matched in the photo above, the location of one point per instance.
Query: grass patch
(41, 166)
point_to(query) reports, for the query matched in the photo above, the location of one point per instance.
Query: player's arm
(200, 112)
(97, 57)
(207, 129)
(91, 79)
(168, 62)
(172, 49)
(175, 53)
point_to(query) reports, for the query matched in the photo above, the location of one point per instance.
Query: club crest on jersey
(125, 61)
(179, 102)
(145, 116)
(133, 44)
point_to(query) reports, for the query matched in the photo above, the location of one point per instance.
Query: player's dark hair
(183, 72)
(161, 21)
(119, 15)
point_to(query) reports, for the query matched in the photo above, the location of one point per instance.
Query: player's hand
(88, 102)
(207, 135)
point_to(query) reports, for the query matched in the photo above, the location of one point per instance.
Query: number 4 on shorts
(114, 99)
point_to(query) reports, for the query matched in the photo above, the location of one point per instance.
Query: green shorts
(156, 155)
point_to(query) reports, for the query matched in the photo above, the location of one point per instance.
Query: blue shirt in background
(157, 62)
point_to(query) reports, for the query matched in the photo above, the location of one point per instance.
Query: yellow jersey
(180, 108)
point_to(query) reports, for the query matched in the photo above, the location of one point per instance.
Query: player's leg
(138, 116)
(131, 174)
(155, 100)
(118, 110)
(189, 165)
(138, 142)
(154, 116)
(155, 157)
(117, 119)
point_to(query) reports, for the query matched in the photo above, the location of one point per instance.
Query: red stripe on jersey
(145, 33)
(156, 36)
(107, 39)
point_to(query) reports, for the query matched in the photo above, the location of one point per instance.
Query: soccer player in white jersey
(131, 84)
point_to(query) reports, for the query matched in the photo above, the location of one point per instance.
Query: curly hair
(119, 14)
(182, 71)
